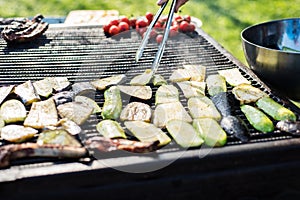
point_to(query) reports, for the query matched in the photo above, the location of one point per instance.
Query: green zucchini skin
(259, 120)
(112, 106)
(275, 110)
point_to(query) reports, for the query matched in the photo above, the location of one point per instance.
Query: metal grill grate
(83, 53)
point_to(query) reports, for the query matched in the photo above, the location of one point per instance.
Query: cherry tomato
(191, 28)
(157, 25)
(113, 30)
(114, 22)
(187, 18)
(123, 26)
(141, 23)
(184, 26)
(159, 38)
(106, 28)
(153, 34)
(132, 22)
(173, 31)
(125, 19)
(142, 30)
(178, 18)
(149, 16)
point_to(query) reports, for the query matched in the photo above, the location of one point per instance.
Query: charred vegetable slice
(215, 84)
(275, 110)
(197, 72)
(83, 88)
(58, 136)
(63, 97)
(184, 133)
(166, 94)
(103, 83)
(112, 106)
(257, 119)
(42, 114)
(211, 132)
(203, 107)
(17, 133)
(5, 91)
(13, 111)
(292, 127)
(75, 111)
(159, 80)
(168, 111)
(136, 111)
(27, 93)
(246, 93)
(180, 75)
(142, 79)
(138, 91)
(110, 129)
(147, 132)
(192, 88)
(235, 126)
(233, 76)
(43, 87)
(89, 102)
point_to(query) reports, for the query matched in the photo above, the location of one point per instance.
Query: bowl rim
(265, 23)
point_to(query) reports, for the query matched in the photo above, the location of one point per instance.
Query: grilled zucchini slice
(13, 111)
(110, 129)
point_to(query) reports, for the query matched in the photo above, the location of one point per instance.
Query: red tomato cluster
(179, 24)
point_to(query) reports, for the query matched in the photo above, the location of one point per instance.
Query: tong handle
(147, 34)
(162, 45)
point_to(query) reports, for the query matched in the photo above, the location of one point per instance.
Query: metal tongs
(161, 47)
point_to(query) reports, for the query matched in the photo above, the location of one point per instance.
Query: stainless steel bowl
(272, 50)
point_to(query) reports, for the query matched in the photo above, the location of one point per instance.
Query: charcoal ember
(24, 30)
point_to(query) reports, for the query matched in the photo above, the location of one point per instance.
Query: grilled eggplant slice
(215, 84)
(166, 94)
(27, 93)
(89, 102)
(184, 133)
(136, 111)
(257, 119)
(12, 152)
(5, 91)
(43, 87)
(292, 127)
(275, 110)
(17, 133)
(147, 132)
(159, 80)
(83, 88)
(75, 111)
(138, 91)
(42, 114)
(103, 83)
(180, 75)
(112, 106)
(142, 79)
(13, 111)
(203, 107)
(197, 72)
(109, 145)
(168, 111)
(233, 76)
(63, 97)
(58, 136)
(246, 93)
(192, 88)
(110, 129)
(233, 125)
(211, 132)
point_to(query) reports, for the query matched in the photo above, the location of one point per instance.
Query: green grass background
(222, 19)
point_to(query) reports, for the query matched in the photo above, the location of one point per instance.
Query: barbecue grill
(265, 167)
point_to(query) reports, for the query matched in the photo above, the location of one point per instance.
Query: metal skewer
(161, 47)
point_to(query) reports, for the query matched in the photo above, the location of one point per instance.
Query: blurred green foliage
(222, 19)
